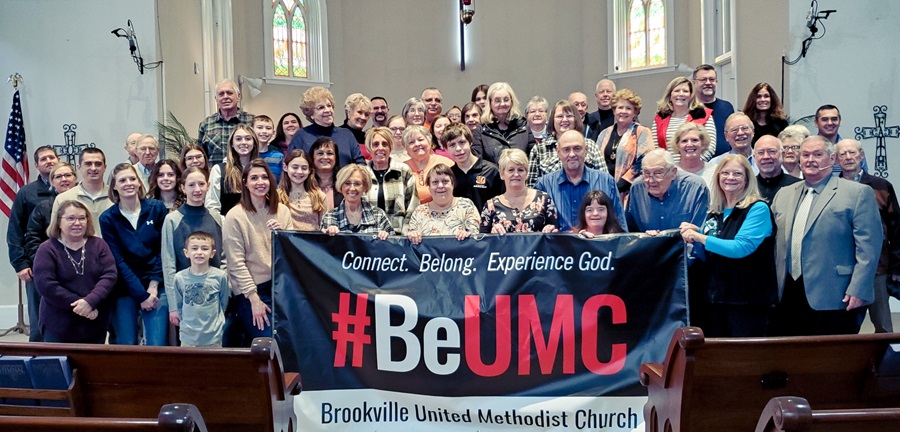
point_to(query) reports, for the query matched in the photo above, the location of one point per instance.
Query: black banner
(517, 315)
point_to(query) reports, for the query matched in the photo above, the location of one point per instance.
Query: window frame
(317, 69)
(618, 43)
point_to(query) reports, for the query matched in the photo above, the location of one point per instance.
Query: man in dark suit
(849, 156)
(827, 248)
(603, 118)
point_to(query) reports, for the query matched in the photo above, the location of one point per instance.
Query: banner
(534, 330)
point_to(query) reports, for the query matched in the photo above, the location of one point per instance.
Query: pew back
(722, 384)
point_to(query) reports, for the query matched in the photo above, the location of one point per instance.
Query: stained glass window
(289, 39)
(646, 33)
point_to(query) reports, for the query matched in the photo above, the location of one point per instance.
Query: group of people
(786, 231)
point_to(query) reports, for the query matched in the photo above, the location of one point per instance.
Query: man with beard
(380, 112)
(771, 177)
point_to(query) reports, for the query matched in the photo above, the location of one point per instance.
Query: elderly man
(147, 150)
(216, 129)
(827, 248)
(603, 117)
(579, 100)
(380, 112)
(665, 196)
(28, 197)
(131, 147)
(771, 177)
(705, 81)
(849, 155)
(569, 185)
(739, 135)
(433, 104)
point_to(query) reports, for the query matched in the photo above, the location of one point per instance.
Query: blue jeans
(34, 306)
(124, 318)
(245, 313)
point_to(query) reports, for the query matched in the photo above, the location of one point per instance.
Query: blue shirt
(274, 159)
(568, 195)
(721, 110)
(756, 227)
(687, 200)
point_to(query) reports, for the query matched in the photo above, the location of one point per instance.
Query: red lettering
(562, 330)
(473, 336)
(589, 334)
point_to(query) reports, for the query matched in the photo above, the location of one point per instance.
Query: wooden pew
(724, 384)
(794, 414)
(172, 418)
(235, 389)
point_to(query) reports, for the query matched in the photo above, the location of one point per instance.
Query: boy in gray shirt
(201, 294)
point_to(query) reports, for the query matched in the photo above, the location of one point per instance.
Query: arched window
(297, 43)
(641, 34)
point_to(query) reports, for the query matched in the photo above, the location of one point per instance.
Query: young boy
(265, 130)
(476, 178)
(201, 294)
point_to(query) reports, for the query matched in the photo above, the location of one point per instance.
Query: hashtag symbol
(343, 335)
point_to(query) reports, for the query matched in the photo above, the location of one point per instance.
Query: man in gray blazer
(827, 248)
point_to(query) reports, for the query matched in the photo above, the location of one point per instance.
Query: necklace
(79, 265)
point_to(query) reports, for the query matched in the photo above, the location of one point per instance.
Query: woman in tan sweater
(246, 234)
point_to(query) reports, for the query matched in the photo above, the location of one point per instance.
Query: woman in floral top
(520, 208)
(445, 214)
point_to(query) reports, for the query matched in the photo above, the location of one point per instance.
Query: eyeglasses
(397, 129)
(656, 175)
(706, 80)
(792, 147)
(732, 174)
(737, 129)
(63, 176)
(73, 219)
(764, 152)
(564, 116)
(193, 157)
(536, 111)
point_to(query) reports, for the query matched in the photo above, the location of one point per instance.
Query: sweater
(347, 147)
(136, 250)
(177, 226)
(60, 285)
(248, 246)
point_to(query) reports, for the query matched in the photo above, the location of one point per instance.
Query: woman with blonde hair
(737, 245)
(678, 106)
(520, 208)
(503, 125)
(393, 185)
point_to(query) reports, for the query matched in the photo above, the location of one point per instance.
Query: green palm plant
(173, 136)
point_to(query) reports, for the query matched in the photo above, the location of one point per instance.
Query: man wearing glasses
(664, 196)
(705, 81)
(569, 185)
(739, 136)
(771, 177)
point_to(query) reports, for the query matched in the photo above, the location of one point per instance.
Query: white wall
(854, 67)
(75, 72)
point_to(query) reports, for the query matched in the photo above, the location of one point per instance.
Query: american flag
(14, 173)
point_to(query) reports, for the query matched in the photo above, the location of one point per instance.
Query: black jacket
(493, 141)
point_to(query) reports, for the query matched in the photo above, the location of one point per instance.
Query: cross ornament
(879, 132)
(70, 150)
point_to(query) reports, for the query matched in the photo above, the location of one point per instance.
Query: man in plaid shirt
(217, 128)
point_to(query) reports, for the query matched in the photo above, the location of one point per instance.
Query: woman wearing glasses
(624, 144)
(791, 138)
(503, 126)
(764, 108)
(75, 272)
(737, 245)
(536, 114)
(543, 158)
(444, 215)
